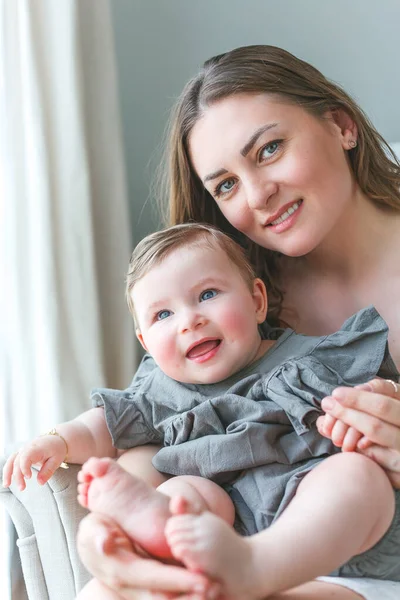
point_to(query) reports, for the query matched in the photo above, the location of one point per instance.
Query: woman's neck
(360, 241)
(358, 265)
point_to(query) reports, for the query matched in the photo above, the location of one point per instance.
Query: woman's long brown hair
(268, 70)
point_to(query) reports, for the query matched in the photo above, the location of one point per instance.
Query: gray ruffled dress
(254, 433)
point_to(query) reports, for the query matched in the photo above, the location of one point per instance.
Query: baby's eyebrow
(209, 282)
(157, 304)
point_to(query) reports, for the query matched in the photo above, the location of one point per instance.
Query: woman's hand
(373, 410)
(108, 554)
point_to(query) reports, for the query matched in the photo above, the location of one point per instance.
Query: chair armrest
(46, 519)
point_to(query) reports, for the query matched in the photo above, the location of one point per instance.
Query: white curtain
(64, 223)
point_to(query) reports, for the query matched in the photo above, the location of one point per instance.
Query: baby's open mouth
(202, 348)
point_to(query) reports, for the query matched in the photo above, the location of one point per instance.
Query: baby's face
(197, 317)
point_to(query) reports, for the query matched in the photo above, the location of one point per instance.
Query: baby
(236, 416)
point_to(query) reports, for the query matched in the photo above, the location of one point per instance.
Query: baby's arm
(81, 438)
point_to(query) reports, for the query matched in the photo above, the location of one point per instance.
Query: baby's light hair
(154, 248)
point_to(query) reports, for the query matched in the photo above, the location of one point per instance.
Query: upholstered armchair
(46, 519)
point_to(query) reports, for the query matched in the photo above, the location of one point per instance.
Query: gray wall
(161, 43)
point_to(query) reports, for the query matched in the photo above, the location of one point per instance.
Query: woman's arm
(374, 410)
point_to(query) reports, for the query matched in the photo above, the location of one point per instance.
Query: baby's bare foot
(179, 505)
(207, 544)
(106, 488)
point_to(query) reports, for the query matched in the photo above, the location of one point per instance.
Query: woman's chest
(319, 308)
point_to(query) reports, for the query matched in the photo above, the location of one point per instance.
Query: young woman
(265, 147)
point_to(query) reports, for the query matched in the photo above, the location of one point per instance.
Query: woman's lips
(289, 220)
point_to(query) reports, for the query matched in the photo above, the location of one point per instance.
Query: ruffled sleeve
(128, 413)
(353, 355)
(359, 350)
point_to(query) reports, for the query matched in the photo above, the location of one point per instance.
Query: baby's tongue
(202, 348)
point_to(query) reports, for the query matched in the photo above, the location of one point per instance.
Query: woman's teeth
(287, 213)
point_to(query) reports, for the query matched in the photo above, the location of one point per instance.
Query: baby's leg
(137, 461)
(106, 488)
(342, 508)
(194, 495)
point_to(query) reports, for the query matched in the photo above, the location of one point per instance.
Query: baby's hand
(342, 435)
(48, 451)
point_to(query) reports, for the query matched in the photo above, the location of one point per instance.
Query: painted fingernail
(327, 403)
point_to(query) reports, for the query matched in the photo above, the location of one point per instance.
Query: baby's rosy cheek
(233, 322)
(166, 354)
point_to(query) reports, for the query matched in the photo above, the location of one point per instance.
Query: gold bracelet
(64, 464)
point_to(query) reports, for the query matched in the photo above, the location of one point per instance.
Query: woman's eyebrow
(249, 145)
(214, 175)
(244, 151)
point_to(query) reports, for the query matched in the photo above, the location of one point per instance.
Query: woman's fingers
(123, 569)
(388, 459)
(325, 424)
(375, 415)
(342, 435)
(380, 399)
(338, 434)
(373, 428)
(351, 440)
(364, 443)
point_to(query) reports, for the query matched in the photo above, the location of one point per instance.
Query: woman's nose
(259, 193)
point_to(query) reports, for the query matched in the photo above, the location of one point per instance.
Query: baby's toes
(83, 490)
(178, 505)
(188, 550)
(179, 525)
(182, 537)
(84, 476)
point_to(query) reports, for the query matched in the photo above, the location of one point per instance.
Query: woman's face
(278, 174)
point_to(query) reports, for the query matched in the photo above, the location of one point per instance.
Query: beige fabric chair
(46, 519)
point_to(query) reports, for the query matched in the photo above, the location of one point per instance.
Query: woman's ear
(141, 340)
(260, 300)
(345, 127)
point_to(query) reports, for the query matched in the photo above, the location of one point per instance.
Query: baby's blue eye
(207, 295)
(163, 314)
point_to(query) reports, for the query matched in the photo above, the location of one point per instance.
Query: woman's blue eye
(225, 187)
(163, 314)
(207, 295)
(269, 149)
